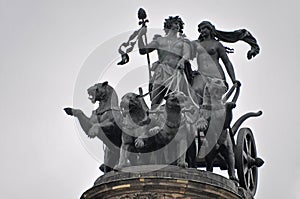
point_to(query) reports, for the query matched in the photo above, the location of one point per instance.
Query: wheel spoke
(245, 169)
(245, 156)
(249, 147)
(246, 145)
(251, 179)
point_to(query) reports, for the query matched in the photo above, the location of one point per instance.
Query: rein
(108, 109)
(212, 107)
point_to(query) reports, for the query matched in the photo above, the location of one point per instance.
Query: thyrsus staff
(129, 45)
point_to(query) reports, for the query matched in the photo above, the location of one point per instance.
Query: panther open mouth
(92, 94)
(175, 100)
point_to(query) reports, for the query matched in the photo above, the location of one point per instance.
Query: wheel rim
(245, 160)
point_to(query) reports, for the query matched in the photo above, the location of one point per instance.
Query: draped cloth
(232, 37)
(127, 47)
(240, 35)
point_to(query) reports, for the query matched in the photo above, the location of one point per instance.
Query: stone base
(145, 182)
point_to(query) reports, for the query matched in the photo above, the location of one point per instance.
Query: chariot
(245, 154)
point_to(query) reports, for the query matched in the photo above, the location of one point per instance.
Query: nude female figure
(209, 51)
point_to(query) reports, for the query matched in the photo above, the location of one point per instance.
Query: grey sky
(44, 45)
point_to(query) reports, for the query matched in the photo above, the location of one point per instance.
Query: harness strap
(105, 110)
(212, 107)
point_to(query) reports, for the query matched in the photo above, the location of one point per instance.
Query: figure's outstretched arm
(227, 63)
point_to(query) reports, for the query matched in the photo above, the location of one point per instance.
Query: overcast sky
(48, 47)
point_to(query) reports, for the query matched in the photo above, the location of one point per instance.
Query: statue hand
(139, 143)
(252, 53)
(94, 130)
(180, 64)
(143, 31)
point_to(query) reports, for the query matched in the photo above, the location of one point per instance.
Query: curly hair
(170, 20)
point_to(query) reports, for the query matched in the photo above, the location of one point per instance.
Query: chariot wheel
(246, 160)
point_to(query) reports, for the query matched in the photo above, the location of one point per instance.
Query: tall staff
(129, 45)
(142, 17)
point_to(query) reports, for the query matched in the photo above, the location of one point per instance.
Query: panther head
(215, 88)
(176, 100)
(99, 92)
(131, 106)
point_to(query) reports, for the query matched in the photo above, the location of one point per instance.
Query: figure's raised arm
(144, 49)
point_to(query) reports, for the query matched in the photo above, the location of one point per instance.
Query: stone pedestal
(145, 182)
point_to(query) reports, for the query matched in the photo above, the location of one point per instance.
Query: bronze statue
(195, 102)
(173, 51)
(104, 121)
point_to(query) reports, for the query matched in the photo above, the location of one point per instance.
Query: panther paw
(68, 111)
(202, 124)
(154, 130)
(139, 143)
(182, 164)
(234, 178)
(117, 167)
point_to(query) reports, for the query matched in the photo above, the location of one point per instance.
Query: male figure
(173, 51)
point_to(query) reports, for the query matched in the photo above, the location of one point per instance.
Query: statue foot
(120, 166)
(117, 167)
(234, 178)
(182, 164)
(104, 168)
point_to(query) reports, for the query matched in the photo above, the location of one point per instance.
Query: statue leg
(228, 154)
(123, 159)
(182, 148)
(209, 159)
(133, 156)
(198, 86)
(145, 159)
(124, 151)
(111, 159)
(191, 155)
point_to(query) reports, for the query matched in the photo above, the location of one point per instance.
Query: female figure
(208, 51)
